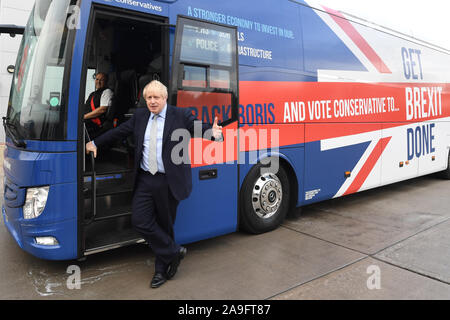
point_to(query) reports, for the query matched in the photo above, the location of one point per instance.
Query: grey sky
(426, 20)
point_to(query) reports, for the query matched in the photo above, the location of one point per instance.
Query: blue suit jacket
(179, 176)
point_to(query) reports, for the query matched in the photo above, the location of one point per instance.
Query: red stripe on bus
(357, 38)
(368, 166)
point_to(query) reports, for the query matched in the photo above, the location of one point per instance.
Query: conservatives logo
(140, 4)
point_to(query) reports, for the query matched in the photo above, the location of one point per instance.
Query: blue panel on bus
(194, 220)
(59, 218)
(269, 32)
(64, 232)
(325, 170)
(11, 220)
(249, 73)
(38, 169)
(25, 236)
(46, 146)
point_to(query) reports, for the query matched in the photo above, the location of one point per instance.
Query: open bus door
(205, 79)
(133, 49)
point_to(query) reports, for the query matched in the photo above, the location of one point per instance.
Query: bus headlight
(35, 202)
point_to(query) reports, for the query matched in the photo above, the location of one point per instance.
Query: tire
(446, 173)
(265, 199)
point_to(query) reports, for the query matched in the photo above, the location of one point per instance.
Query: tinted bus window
(38, 105)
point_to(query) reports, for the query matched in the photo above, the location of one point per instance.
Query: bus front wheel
(264, 199)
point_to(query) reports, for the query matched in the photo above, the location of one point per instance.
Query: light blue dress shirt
(161, 119)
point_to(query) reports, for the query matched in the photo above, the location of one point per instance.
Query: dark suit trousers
(154, 213)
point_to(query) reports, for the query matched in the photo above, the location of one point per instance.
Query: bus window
(37, 105)
(197, 77)
(204, 73)
(52, 86)
(220, 79)
(90, 83)
(194, 77)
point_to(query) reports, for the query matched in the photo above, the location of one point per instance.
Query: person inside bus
(160, 181)
(97, 104)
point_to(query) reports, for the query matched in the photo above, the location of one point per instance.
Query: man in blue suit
(160, 184)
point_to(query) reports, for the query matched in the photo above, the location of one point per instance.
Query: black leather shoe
(173, 266)
(158, 280)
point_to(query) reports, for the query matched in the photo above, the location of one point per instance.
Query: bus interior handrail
(93, 178)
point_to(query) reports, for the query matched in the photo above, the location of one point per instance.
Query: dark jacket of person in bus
(159, 182)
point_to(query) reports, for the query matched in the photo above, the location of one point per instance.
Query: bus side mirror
(10, 68)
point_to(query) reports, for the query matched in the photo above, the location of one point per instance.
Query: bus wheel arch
(267, 196)
(446, 173)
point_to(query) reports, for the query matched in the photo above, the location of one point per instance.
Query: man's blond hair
(157, 86)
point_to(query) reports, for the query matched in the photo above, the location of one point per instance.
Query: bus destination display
(206, 46)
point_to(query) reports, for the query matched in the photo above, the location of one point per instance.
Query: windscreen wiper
(11, 29)
(16, 138)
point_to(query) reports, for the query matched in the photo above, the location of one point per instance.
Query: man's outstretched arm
(122, 131)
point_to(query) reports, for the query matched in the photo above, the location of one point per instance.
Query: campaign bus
(315, 104)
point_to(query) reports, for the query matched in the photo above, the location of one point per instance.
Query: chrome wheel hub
(267, 195)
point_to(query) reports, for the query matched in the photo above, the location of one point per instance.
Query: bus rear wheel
(264, 199)
(446, 173)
